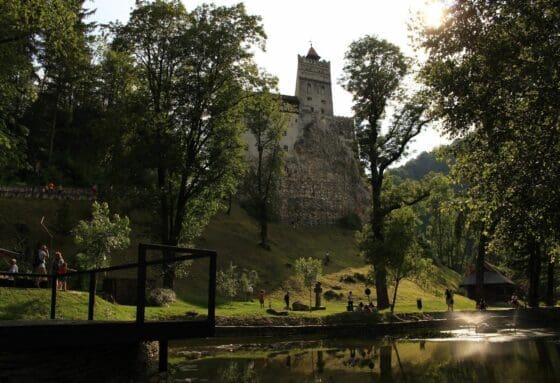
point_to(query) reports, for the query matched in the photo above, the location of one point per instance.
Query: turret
(313, 84)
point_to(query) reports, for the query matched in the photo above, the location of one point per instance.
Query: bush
(350, 221)
(161, 297)
(330, 295)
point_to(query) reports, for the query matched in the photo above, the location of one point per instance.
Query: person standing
(261, 298)
(449, 299)
(287, 300)
(350, 302)
(60, 267)
(13, 269)
(40, 264)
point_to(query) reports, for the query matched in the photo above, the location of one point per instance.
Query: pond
(457, 357)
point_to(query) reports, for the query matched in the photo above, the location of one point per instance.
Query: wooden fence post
(212, 294)
(91, 302)
(53, 297)
(141, 284)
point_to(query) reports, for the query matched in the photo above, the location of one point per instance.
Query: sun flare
(433, 13)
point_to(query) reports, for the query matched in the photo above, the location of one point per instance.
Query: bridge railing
(141, 266)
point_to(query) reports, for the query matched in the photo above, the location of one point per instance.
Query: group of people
(58, 267)
(361, 307)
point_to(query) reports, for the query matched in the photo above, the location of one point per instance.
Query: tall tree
(266, 123)
(492, 79)
(25, 28)
(374, 70)
(194, 69)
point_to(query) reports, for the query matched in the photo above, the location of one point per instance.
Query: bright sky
(331, 25)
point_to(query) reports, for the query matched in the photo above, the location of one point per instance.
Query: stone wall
(322, 182)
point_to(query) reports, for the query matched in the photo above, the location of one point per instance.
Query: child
(61, 268)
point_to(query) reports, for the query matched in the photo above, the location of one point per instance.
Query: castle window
(286, 147)
(308, 87)
(312, 109)
(285, 133)
(322, 110)
(309, 98)
(323, 101)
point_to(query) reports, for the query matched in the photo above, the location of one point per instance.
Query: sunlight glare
(433, 13)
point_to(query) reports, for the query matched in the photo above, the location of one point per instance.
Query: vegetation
(191, 71)
(266, 124)
(491, 84)
(308, 271)
(100, 236)
(153, 111)
(374, 71)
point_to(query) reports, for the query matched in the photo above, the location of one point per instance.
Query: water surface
(455, 357)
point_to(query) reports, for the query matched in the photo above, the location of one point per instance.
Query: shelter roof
(492, 276)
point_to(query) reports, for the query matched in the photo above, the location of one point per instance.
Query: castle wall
(321, 182)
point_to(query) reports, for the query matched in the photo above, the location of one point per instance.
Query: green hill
(235, 238)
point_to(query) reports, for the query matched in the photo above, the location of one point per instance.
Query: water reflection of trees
(237, 372)
(389, 361)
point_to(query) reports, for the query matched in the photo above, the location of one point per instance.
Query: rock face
(322, 182)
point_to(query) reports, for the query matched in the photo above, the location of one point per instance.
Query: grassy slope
(235, 239)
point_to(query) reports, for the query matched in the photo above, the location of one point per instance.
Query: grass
(235, 238)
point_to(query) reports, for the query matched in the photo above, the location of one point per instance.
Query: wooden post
(53, 297)
(212, 295)
(163, 350)
(141, 285)
(91, 303)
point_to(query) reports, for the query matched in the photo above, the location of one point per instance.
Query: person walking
(287, 300)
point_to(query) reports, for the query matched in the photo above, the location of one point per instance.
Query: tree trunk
(381, 286)
(53, 130)
(550, 301)
(479, 264)
(534, 272)
(394, 296)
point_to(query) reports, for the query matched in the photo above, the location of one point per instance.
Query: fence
(141, 265)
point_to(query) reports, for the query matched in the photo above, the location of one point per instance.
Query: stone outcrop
(322, 183)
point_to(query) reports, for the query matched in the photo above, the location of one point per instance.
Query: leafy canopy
(101, 235)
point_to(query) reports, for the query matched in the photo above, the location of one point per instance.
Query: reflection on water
(526, 356)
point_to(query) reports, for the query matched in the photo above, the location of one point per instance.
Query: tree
(400, 246)
(266, 123)
(193, 71)
(374, 70)
(491, 81)
(26, 29)
(230, 282)
(309, 271)
(101, 235)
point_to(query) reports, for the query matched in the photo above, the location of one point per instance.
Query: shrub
(350, 221)
(161, 297)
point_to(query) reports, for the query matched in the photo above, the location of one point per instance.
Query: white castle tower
(313, 84)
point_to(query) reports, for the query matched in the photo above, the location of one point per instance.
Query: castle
(321, 183)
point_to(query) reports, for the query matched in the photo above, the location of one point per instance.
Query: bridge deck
(31, 334)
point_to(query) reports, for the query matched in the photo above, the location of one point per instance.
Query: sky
(331, 25)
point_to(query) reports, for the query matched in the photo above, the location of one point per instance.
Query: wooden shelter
(496, 288)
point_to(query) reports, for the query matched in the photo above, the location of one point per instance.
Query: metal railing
(141, 265)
